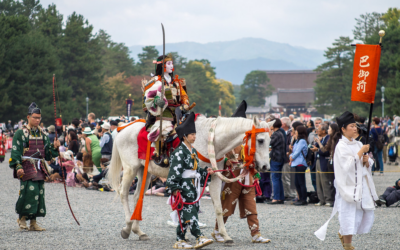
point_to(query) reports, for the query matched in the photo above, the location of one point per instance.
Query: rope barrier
(320, 172)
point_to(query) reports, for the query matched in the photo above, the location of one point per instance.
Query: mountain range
(234, 59)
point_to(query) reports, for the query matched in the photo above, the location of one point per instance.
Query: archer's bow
(58, 149)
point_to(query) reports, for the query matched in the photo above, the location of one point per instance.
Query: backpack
(309, 158)
(381, 140)
(392, 150)
(312, 197)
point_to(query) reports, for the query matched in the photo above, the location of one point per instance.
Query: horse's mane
(225, 122)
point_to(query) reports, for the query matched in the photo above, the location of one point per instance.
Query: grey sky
(312, 24)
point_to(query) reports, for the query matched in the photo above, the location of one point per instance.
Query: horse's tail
(114, 171)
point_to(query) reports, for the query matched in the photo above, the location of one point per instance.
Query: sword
(162, 93)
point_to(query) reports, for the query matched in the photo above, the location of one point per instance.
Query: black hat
(33, 109)
(241, 110)
(186, 127)
(115, 123)
(345, 119)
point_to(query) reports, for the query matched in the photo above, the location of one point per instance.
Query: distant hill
(234, 59)
(236, 70)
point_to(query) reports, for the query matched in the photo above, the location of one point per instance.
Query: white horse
(229, 133)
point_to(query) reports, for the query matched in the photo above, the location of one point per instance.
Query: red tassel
(165, 70)
(137, 214)
(173, 69)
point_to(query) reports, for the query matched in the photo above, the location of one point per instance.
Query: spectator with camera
(324, 186)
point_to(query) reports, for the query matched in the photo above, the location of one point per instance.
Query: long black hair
(301, 132)
(159, 68)
(330, 146)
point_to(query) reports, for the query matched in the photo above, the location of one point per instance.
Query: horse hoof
(228, 242)
(124, 235)
(144, 237)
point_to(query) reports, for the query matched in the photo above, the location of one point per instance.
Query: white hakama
(356, 212)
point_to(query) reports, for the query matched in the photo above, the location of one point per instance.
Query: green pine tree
(115, 57)
(145, 64)
(80, 54)
(389, 69)
(333, 85)
(255, 88)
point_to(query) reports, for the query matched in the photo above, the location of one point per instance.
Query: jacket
(323, 156)
(297, 155)
(278, 146)
(288, 140)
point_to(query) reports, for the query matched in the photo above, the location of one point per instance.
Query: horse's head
(262, 146)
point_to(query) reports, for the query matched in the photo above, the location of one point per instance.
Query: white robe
(355, 191)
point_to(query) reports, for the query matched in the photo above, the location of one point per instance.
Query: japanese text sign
(365, 72)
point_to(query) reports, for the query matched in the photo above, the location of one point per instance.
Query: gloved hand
(160, 103)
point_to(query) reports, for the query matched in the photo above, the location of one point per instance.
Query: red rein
(249, 158)
(255, 184)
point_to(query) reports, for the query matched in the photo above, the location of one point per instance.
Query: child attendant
(186, 177)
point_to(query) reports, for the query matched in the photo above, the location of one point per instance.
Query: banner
(365, 72)
(305, 117)
(59, 122)
(129, 103)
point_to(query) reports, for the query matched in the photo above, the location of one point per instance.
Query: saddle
(169, 145)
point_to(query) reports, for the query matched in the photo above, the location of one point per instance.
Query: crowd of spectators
(298, 147)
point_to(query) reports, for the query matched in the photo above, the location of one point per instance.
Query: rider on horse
(172, 103)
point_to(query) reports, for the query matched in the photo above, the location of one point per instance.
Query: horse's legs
(135, 226)
(129, 175)
(215, 193)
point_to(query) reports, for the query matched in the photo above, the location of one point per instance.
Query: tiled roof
(292, 79)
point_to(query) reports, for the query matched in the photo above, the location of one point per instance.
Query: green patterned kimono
(31, 195)
(182, 165)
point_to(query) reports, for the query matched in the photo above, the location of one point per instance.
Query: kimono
(355, 191)
(175, 96)
(184, 175)
(26, 141)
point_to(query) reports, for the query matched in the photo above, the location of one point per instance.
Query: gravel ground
(101, 218)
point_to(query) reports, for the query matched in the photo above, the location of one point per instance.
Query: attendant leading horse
(229, 133)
